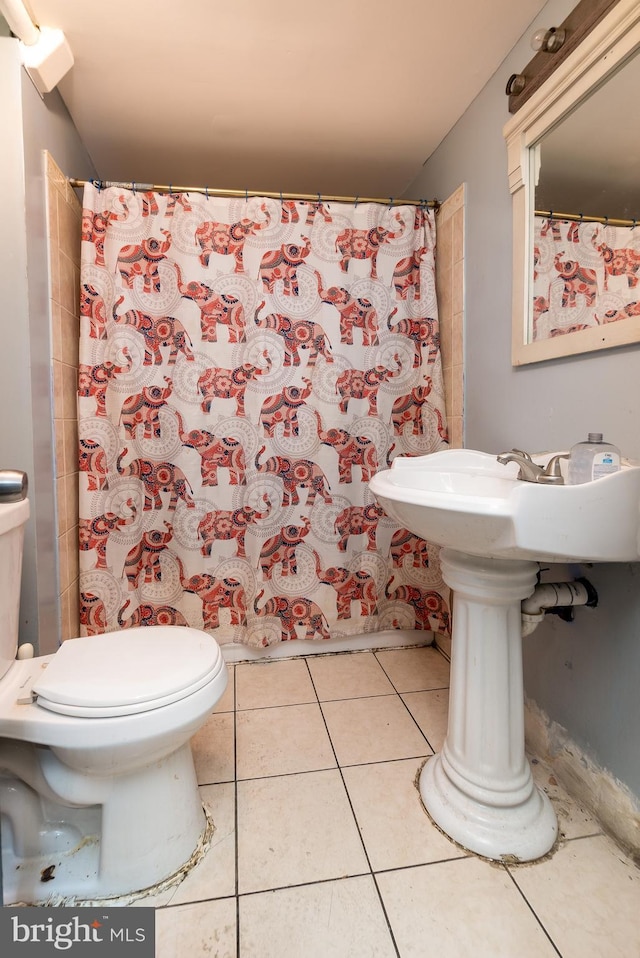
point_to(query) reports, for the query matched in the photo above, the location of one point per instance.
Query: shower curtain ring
(355, 205)
(170, 190)
(634, 224)
(133, 187)
(206, 193)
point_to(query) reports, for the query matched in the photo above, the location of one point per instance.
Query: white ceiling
(346, 97)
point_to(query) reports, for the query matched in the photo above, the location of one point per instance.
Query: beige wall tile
(64, 229)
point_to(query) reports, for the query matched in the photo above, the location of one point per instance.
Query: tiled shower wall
(64, 220)
(450, 289)
(64, 228)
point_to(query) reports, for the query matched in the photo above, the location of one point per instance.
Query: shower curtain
(584, 274)
(245, 367)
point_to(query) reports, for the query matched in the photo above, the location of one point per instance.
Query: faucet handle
(552, 471)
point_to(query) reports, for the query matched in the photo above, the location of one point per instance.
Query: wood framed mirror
(573, 153)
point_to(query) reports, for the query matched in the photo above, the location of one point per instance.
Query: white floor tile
(395, 828)
(431, 712)
(207, 928)
(461, 908)
(337, 919)
(415, 670)
(373, 730)
(348, 676)
(295, 829)
(587, 895)
(215, 875)
(263, 684)
(213, 750)
(227, 702)
(278, 741)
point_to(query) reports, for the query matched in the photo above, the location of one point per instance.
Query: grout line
(235, 808)
(358, 829)
(532, 910)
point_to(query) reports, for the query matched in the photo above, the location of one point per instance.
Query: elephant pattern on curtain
(245, 367)
(584, 275)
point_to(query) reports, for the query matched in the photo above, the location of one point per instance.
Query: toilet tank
(13, 518)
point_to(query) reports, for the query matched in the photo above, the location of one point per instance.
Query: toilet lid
(121, 673)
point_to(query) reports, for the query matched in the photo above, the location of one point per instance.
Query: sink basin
(467, 500)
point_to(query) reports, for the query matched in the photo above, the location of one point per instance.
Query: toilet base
(143, 831)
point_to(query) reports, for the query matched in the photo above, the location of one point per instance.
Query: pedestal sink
(495, 529)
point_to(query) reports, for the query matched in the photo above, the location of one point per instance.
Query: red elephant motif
(358, 521)
(92, 306)
(143, 408)
(157, 332)
(426, 606)
(282, 548)
(145, 556)
(355, 313)
(95, 226)
(297, 334)
(620, 262)
(227, 239)
(363, 244)
(92, 459)
(215, 309)
(292, 612)
(223, 525)
(282, 265)
(614, 315)
(578, 281)
(350, 587)
(216, 594)
(148, 614)
(217, 453)
(93, 615)
(295, 474)
(158, 476)
(217, 383)
(362, 384)
(422, 332)
(405, 543)
(284, 408)
(93, 381)
(351, 450)
(408, 409)
(93, 533)
(406, 275)
(142, 260)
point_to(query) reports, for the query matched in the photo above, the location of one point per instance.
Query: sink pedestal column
(479, 789)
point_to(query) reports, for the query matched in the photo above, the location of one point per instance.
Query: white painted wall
(585, 675)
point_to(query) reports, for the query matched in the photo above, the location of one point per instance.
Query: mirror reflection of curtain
(584, 275)
(245, 367)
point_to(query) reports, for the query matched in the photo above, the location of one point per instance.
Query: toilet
(98, 792)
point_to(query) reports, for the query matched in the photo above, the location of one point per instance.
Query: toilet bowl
(98, 791)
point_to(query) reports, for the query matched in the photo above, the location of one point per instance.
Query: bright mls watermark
(83, 932)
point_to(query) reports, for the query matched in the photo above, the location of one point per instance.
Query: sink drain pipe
(556, 597)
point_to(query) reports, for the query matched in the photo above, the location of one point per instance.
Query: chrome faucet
(530, 471)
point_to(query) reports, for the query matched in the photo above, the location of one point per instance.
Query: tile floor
(322, 849)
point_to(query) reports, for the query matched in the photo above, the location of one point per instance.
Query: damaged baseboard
(613, 804)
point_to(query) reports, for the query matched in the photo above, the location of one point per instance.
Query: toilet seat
(127, 672)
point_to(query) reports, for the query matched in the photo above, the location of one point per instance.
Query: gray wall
(31, 125)
(585, 675)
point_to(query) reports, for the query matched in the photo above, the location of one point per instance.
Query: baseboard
(614, 805)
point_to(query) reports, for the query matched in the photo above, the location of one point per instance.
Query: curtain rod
(240, 194)
(580, 218)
